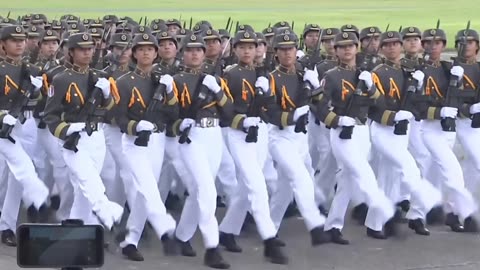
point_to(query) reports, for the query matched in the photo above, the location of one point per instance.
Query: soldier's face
(82, 56)
(471, 49)
(32, 43)
(328, 46)
(193, 57)
(436, 48)
(287, 57)
(412, 45)
(346, 53)
(48, 48)
(172, 29)
(125, 57)
(373, 46)
(14, 47)
(145, 54)
(214, 48)
(261, 50)
(246, 52)
(167, 49)
(311, 39)
(392, 50)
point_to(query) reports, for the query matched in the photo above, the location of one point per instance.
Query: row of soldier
(163, 109)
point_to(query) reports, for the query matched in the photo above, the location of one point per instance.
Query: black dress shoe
(404, 205)
(170, 247)
(32, 214)
(43, 214)
(186, 249)
(418, 226)
(227, 240)
(435, 216)
(273, 252)
(213, 258)
(453, 222)
(55, 202)
(277, 241)
(337, 237)
(470, 225)
(391, 226)
(359, 213)
(8, 238)
(319, 236)
(132, 253)
(173, 202)
(376, 234)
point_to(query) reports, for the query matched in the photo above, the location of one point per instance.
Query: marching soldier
(368, 57)
(173, 26)
(311, 37)
(349, 137)
(200, 150)
(83, 146)
(19, 81)
(143, 143)
(389, 130)
(248, 154)
(438, 134)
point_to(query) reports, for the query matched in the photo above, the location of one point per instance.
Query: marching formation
(105, 118)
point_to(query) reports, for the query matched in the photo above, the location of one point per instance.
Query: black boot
(132, 253)
(55, 202)
(170, 247)
(8, 238)
(359, 213)
(376, 234)
(418, 226)
(391, 227)
(470, 225)
(273, 252)
(454, 223)
(186, 249)
(337, 237)
(319, 236)
(227, 240)
(213, 258)
(435, 216)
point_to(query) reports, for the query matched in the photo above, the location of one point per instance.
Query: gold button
(141, 111)
(76, 95)
(10, 100)
(138, 99)
(78, 107)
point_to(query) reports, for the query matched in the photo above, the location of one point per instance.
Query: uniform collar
(209, 61)
(79, 69)
(286, 70)
(141, 72)
(347, 67)
(246, 66)
(123, 67)
(330, 57)
(468, 62)
(411, 57)
(192, 70)
(392, 64)
(67, 64)
(433, 63)
(12, 61)
(163, 63)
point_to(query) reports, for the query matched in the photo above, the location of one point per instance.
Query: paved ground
(442, 250)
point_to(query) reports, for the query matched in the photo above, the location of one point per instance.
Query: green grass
(259, 13)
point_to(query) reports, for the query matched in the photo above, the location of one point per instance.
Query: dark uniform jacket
(471, 83)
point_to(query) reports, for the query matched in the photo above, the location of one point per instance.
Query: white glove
(167, 80)
(75, 127)
(475, 108)
(187, 122)
(251, 122)
(104, 84)
(457, 71)
(448, 112)
(145, 126)
(300, 111)
(9, 120)
(312, 77)
(418, 76)
(210, 82)
(403, 115)
(300, 54)
(367, 78)
(346, 121)
(37, 82)
(262, 82)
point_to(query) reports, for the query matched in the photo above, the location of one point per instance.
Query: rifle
(98, 51)
(476, 117)
(407, 101)
(452, 97)
(86, 115)
(20, 104)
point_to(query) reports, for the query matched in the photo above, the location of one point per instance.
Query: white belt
(208, 122)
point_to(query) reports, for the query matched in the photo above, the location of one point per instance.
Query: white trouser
(394, 150)
(440, 143)
(469, 138)
(145, 164)
(251, 193)
(289, 151)
(61, 173)
(176, 169)
(313, 148)
(357, 177)
(3, 181)
(226, 176)
(202, 159)
(85, 166)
